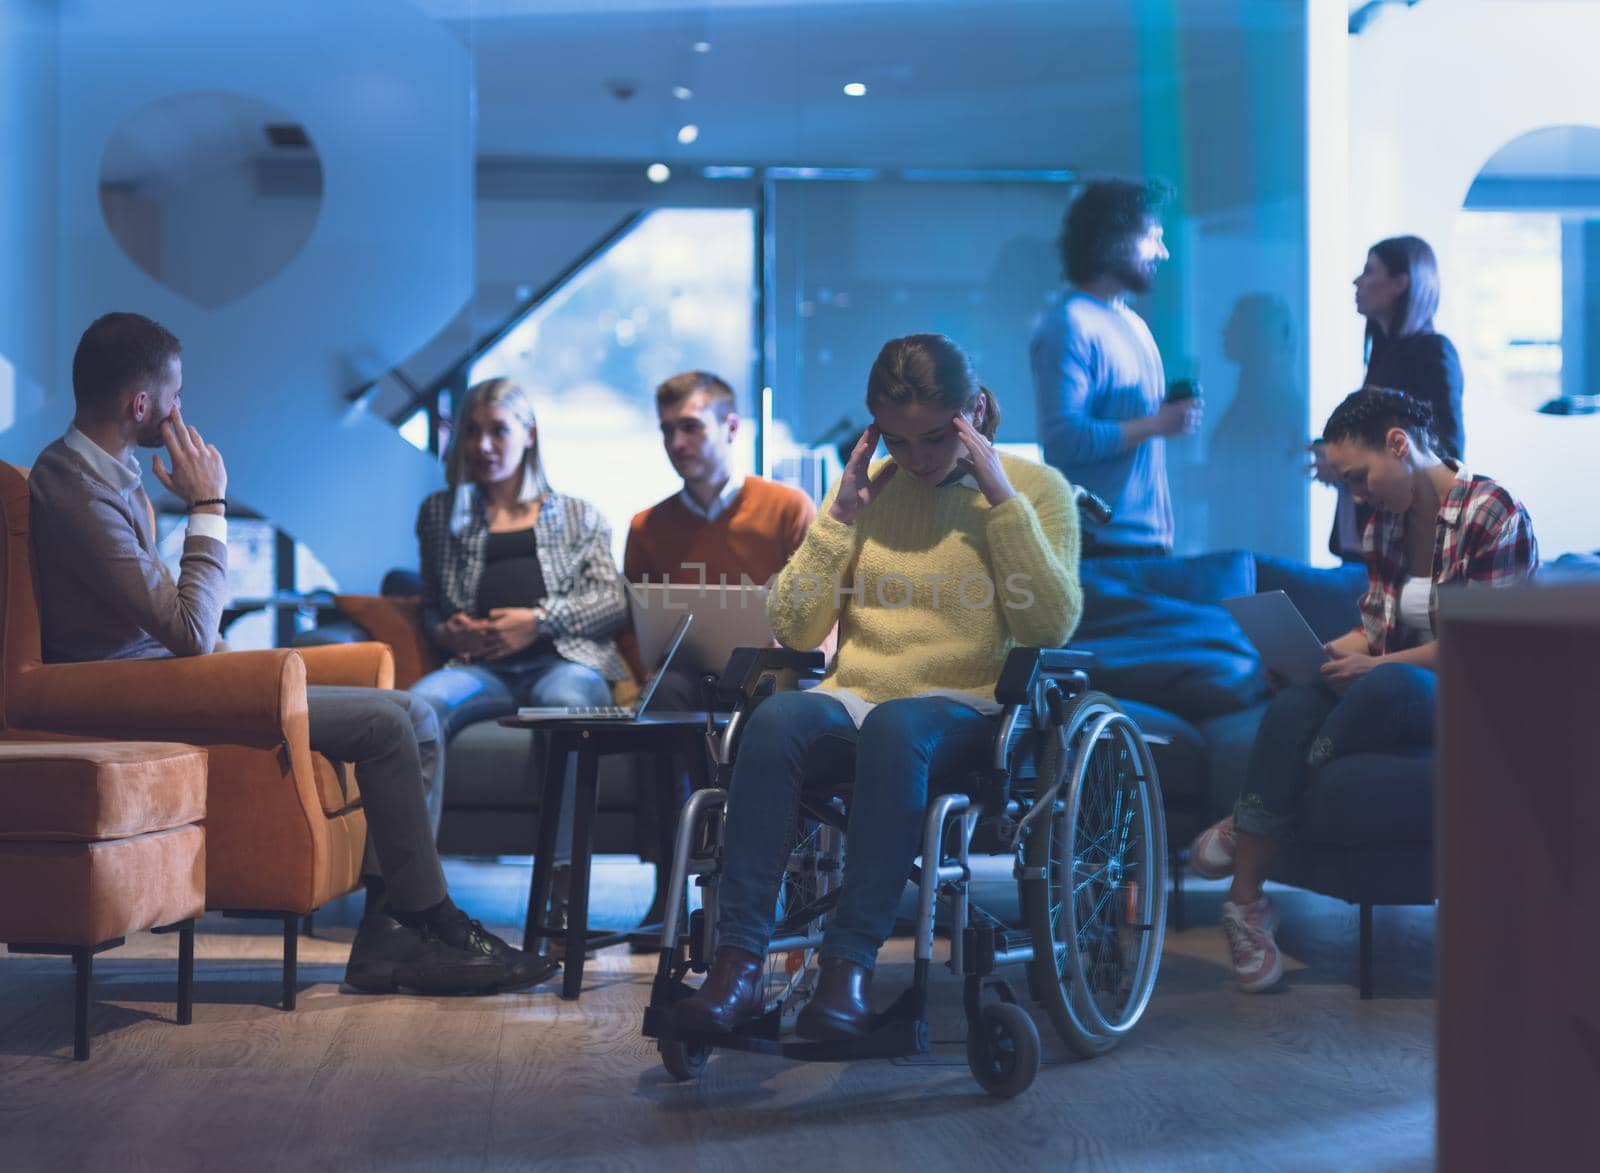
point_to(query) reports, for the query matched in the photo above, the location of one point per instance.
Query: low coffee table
(679, 734)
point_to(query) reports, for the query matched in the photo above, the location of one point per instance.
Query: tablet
(1281, 634)
(725, 617)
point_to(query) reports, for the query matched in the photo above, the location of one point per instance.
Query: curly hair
(1369, 414)
(930, 368)
(1106, 213)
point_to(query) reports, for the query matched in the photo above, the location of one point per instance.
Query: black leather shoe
(841, 1008)
(459, 957)
(519, 970)
(730, 997)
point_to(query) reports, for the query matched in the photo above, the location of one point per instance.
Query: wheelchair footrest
(892, 1037)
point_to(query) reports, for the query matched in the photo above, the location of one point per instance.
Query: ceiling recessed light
(856, 89)
(682, 93)
(687, 134)
(658, 173)
(702, 46)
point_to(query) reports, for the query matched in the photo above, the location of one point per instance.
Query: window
(676, 293)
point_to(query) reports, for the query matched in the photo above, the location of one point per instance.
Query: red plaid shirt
(1483, 537)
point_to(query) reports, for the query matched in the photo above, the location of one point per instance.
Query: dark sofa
(1184, 670)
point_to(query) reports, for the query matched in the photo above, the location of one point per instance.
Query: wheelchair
(1070, 792)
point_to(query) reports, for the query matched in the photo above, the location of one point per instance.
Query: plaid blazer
(1483, 537)
(586, 604)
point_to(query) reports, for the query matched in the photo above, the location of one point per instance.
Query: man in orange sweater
(719, 528)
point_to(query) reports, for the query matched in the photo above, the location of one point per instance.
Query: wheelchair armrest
(747, 669)
(1024, 666)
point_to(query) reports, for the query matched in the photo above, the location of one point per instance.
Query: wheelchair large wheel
(1094, 892)
(809, 874)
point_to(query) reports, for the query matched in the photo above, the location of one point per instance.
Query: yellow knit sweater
(931, 586)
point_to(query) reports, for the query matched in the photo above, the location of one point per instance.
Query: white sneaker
(1257, 962)
(1211, 853)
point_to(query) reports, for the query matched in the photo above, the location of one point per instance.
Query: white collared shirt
(723, 502)
(124, 477)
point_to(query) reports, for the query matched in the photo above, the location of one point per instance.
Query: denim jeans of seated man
(1309, 725)
(805, 740)
(470, 693)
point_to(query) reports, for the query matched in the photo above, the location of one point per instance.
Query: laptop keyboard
(599, 711)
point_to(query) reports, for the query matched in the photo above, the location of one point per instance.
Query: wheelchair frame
(1047, 707)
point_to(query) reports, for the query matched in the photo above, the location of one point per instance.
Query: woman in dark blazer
(1398, 292)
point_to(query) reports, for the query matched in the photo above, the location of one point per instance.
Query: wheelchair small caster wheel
(1003, 1049)
(683, 1061)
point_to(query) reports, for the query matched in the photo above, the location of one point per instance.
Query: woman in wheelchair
(1434, 525)
(934, 564)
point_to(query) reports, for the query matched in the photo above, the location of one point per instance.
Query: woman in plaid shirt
(519, 587)
(1433, 524)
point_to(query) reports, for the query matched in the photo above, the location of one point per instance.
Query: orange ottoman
(99, 839)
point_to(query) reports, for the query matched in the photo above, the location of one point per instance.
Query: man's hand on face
(197, 472)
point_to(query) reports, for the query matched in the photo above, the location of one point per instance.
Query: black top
(511, 574)
(1425, 366)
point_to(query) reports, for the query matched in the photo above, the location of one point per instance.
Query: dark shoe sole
(827, 1027)
(389, 978)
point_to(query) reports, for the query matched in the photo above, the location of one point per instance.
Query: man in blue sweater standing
(1103, 412)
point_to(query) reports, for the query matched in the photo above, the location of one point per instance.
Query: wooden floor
(1306, 1078)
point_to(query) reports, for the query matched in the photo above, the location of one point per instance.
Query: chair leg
(83, 963)
(291, 958)
(1366, 952)
(186, 973)
(308, 924)
(1175, 910)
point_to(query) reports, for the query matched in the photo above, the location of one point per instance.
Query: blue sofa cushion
(1200, 578)
(1327, 597)
(1158, 637)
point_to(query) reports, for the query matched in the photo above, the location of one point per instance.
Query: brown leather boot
(841, 1007)
(730, 996)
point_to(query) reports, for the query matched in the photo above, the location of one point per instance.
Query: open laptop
(725, 618)
(1281, 634)
(614, 712)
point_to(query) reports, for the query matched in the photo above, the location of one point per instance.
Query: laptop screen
(667, 653)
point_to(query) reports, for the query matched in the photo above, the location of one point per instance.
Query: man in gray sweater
(105, 595)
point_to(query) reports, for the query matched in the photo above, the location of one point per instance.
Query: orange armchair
(285, 832)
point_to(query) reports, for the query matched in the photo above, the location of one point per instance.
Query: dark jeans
(470, 693)
(1309, 725)
(805, 740)
(393, 740)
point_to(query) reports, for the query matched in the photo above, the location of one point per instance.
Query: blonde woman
(518, 584)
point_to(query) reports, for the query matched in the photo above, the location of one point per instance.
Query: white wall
(28, 120)
(386, 94)
(1434, 92)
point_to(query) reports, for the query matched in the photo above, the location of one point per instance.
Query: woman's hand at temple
(986, 467)
(857, 488)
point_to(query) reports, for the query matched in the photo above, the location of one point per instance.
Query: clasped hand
(505, 632)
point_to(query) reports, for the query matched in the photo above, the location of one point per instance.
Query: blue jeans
(465, 695)
(805, 741)
(1309, 725)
